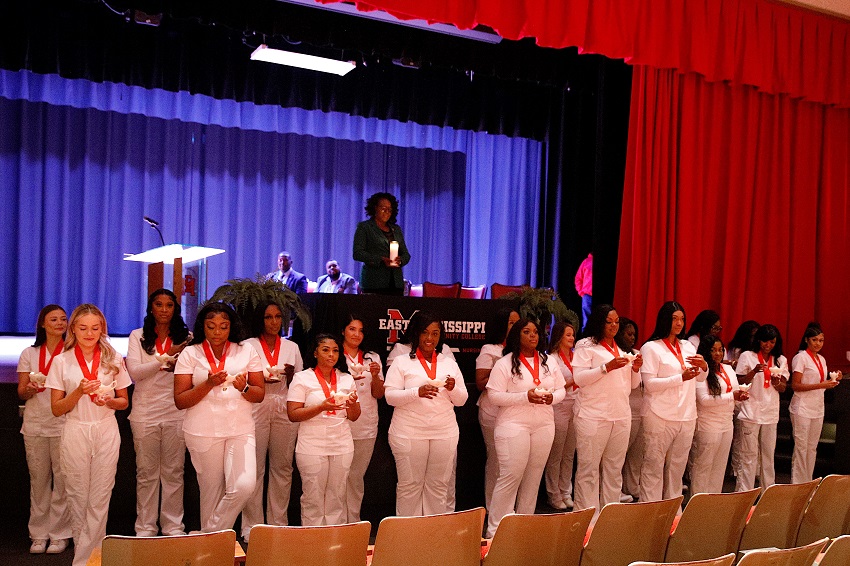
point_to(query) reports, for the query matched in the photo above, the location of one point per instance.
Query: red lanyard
(614, 352)
(567, 363)
(766, 370)
(535, 371)
(215, 368)
(677, 351)
(358, 360)
(432, 371)
(819, 365)
(161, 348)
(84, 367)
(42, 354)
(271, 358)
(722, 374)
(325, 389)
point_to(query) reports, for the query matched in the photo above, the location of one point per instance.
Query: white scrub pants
(710, 454)
(50, 518)
(276, 436)
(758, 443)
(806, 438)
(559, 466)
(487, 420)
(600, 445)
(227, 475)
(89, 457)
(160, 459)
(522, 458)
(363, 449)
(424, 468)
(666, 448)
(634, 459)
(323, 486)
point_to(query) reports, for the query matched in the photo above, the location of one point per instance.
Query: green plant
(245, 296)
(542, 305)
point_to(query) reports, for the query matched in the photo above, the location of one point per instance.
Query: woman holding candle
(324, 401)
(524, 384)
(49, 514)
(157, 424)
(671, 368)
(809, 379)
(379, 244)
(88, 383)
(559, 466)
(605, 376)
(491, 352)
(765, 369)
(275, 434)
(217, 379)
(424, 387)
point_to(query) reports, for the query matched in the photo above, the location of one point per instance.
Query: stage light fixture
(269, 55)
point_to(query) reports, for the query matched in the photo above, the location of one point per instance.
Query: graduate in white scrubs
(809, 379)
(50, 519)
(626, 339)
(217, 380)
(324, 400)
(157, 424)
(88, 383)
(274, 432)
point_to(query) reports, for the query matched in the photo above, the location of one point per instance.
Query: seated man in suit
(337, 282)
(288, 276)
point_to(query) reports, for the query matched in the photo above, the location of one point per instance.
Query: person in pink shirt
(584, 287)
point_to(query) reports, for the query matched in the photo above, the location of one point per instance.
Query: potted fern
(246, 295)
(543, 305)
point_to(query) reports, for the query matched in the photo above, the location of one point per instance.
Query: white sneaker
(557, 504)
(57, 546)
(38, 546)
(568, 501)
(626, 498)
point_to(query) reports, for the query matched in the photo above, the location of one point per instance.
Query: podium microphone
(155, 225)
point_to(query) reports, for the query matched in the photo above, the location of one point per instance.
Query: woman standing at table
(365, 368)
(559, 466)
(88, 383)
(157, 424)
(765, 369)
(424, 387)
(809, 379)
(605, 377)
(217, 380)
(372, 241)
(275, 434)
(716, 397)
(324, 401)
(49, 515)
(671, 368)
(524, 384)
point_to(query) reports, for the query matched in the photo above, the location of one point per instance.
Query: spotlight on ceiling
(269, 55)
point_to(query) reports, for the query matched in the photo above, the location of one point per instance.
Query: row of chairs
(458, 291)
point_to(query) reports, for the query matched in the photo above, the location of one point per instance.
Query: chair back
(630, 532)
(452, 539)
(798, 556)
(727, 560)
(473, 292)
(498, 290)
(541, 540)
(207, 549)
(776, 517)
(726, 513)
(838, 553)
(337, 545)
(828, 511)
(441, 290)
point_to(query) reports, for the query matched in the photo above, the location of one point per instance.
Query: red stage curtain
(738, 201)
(775, 47)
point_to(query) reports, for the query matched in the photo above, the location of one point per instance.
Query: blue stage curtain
(82, 162)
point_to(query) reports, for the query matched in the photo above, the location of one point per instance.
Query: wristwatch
(247, 386)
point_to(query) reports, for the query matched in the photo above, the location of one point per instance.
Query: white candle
(393, 250)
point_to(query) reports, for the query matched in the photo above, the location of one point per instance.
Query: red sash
(568, 363)
(534, 371)
(162, 349)
(819, 365)
(432, 371)
(766, 370)
(325, 389)
(271, 358)
(84, 367)
(43, 364)
(215, 368)
(358, 360)
(677, 351)
(722, 374)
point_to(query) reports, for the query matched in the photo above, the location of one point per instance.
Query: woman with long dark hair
(157, 424)
(627, 338)
(524, 384)
(49, 523)
(559, 466)
(716, 397)
(740, 342)
(671, 369)
(605, 376)
(706, 322)
(765, 369)
(373, 246)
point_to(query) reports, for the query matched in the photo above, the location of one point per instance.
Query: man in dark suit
(288, 276)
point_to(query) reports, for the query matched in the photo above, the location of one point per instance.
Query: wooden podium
(178, 256)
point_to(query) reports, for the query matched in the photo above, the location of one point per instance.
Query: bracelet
(247, 387)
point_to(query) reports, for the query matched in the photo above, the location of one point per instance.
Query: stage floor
(12, 346)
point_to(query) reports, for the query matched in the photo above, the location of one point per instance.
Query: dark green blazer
(370, 245)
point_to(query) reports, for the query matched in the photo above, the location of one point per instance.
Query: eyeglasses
(385, 209)
(716, 328)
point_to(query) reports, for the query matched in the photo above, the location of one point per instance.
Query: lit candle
(393, 250)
